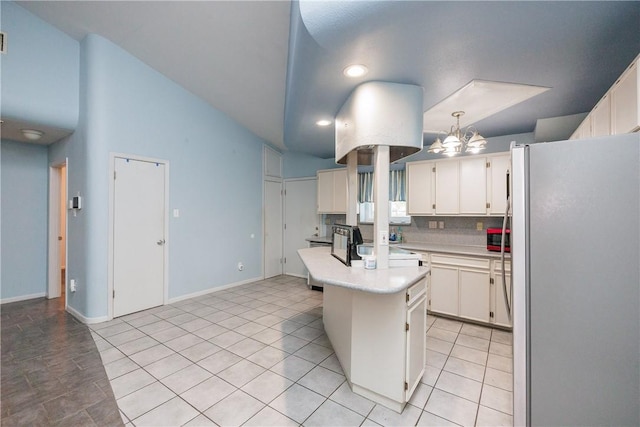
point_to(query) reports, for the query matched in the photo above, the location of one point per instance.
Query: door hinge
(491, 314)
(491, 281)
(406, 386)
(488, 205)
(285, 260)
(114, 294)
(406, 326)
(488, 165)
(407, 297)
(114, 174)
(285, 226)
(433, 169)
(433, 206)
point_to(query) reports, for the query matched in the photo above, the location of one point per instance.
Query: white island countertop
(324, 268)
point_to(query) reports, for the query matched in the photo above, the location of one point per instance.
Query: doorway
(272, 228)
(138, 254)
(301, 221)
(57, 252)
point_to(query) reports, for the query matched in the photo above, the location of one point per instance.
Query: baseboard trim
(23, 298)
(86, 320)
(212, 290)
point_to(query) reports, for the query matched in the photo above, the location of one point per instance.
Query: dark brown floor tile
(16, 401)
(79, 419)
(35, 415)
(73, 401)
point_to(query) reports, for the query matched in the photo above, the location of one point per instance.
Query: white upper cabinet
(618, 111)
(601, 117)
(473, 186)
(447, 187)
(332, 191)
(625, 97)
(420, 188)
(497, 183)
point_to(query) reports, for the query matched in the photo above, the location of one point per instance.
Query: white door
(301, 221)
(272, 228)
(138, 235)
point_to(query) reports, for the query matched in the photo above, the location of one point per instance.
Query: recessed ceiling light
(32, 134)
(355, 70)
(323, 122)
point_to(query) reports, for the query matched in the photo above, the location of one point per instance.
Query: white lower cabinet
(467, 287)
(500, 314)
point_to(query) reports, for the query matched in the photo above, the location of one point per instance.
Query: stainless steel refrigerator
(575, 248)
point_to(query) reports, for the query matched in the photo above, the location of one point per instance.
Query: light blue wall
(39, 71)
(215, 176)
(24, 219)
(299, 165)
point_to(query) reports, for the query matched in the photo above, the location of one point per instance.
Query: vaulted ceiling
(277, 67)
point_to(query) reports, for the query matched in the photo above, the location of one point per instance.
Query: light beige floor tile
(453, 408)
(427, 419)
(290, 344)
(369, 423)
(145, 399)
(152, 354)
(442, 334)
(167, 334)
(210, 331)
(235, 409)
(143, 319)
(241, 373)
(307, 333)
(333, 364)
(500, 379)
(233, 322)
(387, 417)
(167, 366)
(200, 351)
(219, 361)
(269, 417)
(476, 331)
(469, 354)
(322, 381)
(498, 399)
(119, 367)
(460, 386)
(268, 336)
(113, 329)
(130, 382)
(420, 395)
(227, 339)
(250, 328)
(186, 378)
(501, 349)
(431, 375)
(297, 402)
(347, 398)
(200, 421)
(292, 367)
(473, 342)
(331, 414)
(440, 346)
(137, 345)
(195, 324)
(267, 357)
(182, 318)
(450, 325)
(435, 359)
(323, 340)
(502, 337)
(465, 368)
(208, 393)
(267, 386)
(158, 326)
(246, 347)
(488, 417)
(111, 354)
(268, 320)
(500, 362)
(314, 353)
(184, 341)
(124, 337)
(175, 412)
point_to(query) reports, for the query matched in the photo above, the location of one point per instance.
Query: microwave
(494, 239)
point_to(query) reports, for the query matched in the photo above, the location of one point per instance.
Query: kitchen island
(376, 322)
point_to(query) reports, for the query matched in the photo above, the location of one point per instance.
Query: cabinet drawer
(416, 291)
(460, 261)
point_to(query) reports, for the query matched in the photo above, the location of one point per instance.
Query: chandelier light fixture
(457, 140)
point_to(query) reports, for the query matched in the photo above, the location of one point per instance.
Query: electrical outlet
(479, 225)
(240, 266)
(384, 238)
(441, 225)
(72, 285)
(433, 224)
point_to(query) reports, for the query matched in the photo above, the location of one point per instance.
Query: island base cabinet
(379, 340)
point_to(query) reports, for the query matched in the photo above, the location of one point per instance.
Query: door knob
(160, 242)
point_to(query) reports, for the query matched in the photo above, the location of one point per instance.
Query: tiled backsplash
(457, 230)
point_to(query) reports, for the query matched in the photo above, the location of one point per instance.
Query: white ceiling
(233, 54)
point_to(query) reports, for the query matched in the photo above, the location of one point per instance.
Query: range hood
(380, 113)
